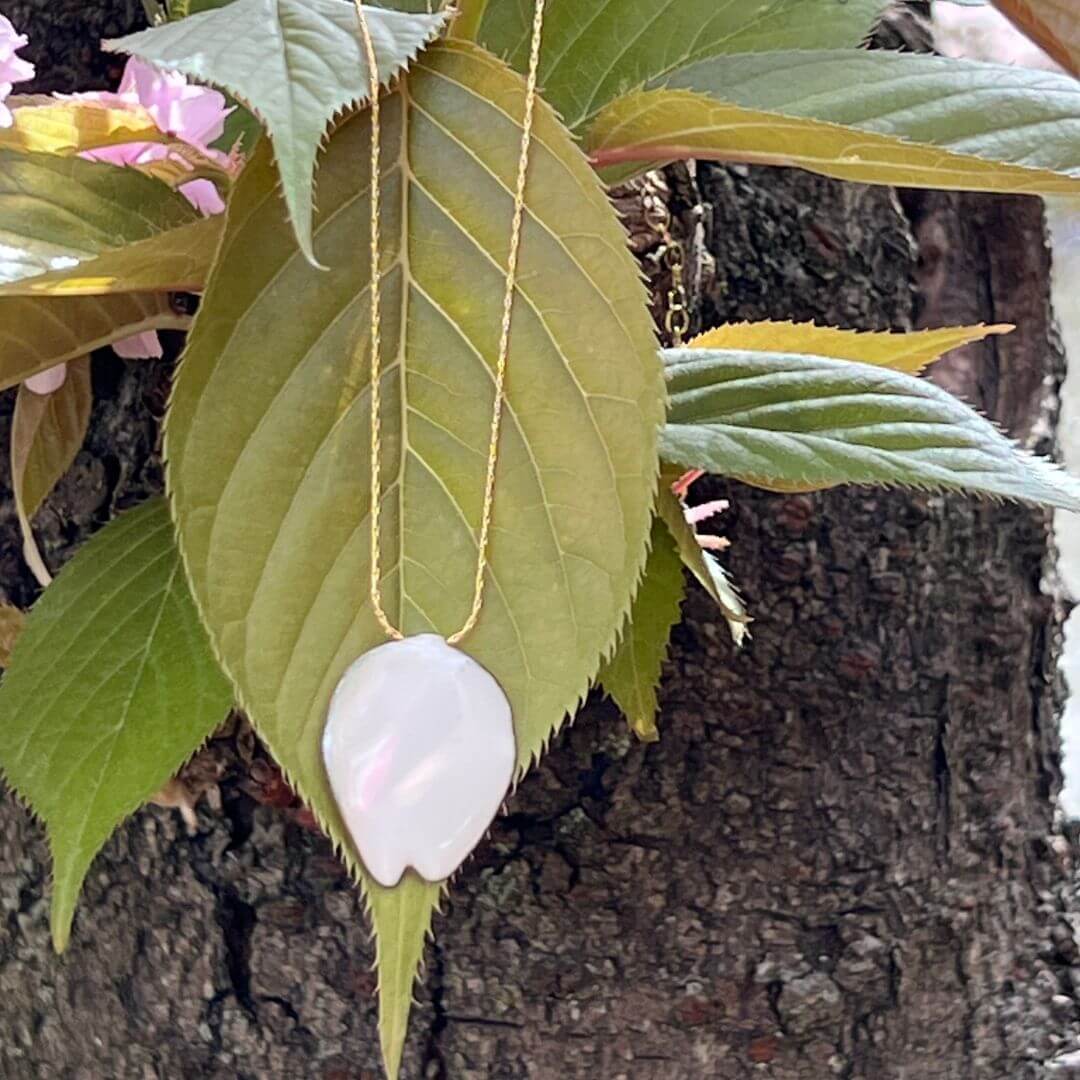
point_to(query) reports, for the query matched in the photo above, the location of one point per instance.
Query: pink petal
(144, 346)
(704, 511)
(13, 68)
(195, 114)
(48, 381)
(713, 543)
(682, 485)
(136, 153)
(204, 196)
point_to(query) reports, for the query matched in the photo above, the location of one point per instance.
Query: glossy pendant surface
(419, 750)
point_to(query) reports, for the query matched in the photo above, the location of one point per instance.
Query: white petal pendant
(419, 750)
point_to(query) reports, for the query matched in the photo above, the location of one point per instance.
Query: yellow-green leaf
(38, 332)
(111, 686)
(704, 566)
(174, 261)
(632, 674)
(909, 352)
(69, 126)
(651, 127)
(47, 431)
(268, 433)
(1054, 25)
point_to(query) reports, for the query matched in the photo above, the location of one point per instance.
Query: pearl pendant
(419, 750)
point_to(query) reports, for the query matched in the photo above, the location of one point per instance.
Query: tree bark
(840, 859)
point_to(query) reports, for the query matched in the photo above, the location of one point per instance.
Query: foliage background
(839, 858)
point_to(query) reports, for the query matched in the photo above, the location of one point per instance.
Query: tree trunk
(839, 861)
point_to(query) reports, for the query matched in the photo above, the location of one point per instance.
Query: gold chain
(672, 256)
(504, 341)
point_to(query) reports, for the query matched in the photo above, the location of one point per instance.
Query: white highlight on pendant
(419, 750)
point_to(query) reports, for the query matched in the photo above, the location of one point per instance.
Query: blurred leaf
(47, 431)
(704, 566)
(641, 130)
(295, 63)
(57, 211)
(595, 51)
(174, 261)
(1054, 25)
(632, 675)
(12, 621)
(267, 436)
(910, 352)
(38, 332)
(787, 419)
(111, 687)
(47, 125)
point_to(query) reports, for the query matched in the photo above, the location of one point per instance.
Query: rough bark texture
(839, 861)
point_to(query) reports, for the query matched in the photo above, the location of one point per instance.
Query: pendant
(419, 750)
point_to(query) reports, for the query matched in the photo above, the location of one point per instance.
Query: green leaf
(910, 352)
(295, 63)
(38, 332)
(268, 440)
(780, 419)
(175, 261)
(632, 674)
(595, 51)
(57, 211)
(704, 566)
(875, 117)
(1052, 24)
(111, 687)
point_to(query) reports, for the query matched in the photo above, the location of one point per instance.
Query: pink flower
(13, 69)
(194, 115)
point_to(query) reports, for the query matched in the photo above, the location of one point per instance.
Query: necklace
(419, 741)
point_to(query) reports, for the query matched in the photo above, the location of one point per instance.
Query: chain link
(484, 537)
(672, 257)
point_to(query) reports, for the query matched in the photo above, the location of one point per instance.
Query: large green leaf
(267, 436)
(918, 120)
(174, 261)
(57, 211)
(295, 63)
(38, 332)
(111, 686)
(595, 51)
(632, 674)
(782, 419)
